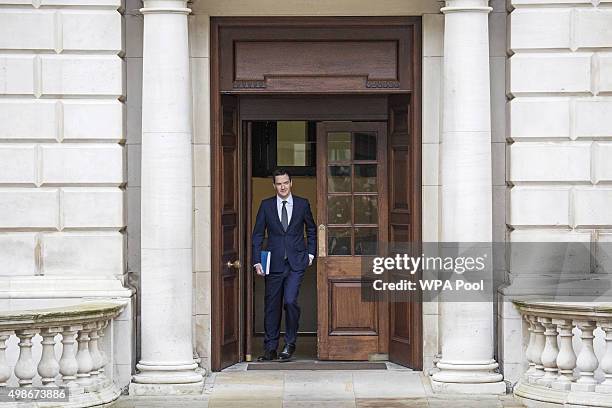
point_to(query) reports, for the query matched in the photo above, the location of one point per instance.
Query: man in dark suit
(284, 217)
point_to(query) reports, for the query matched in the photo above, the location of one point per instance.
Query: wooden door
(352, 220)
(227, 242)
(404, 162)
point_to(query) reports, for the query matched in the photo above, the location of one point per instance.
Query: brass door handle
(322, 239)
(235, 264)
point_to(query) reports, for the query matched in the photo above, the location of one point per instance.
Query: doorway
(290, 144)
(369, 110)
(339, 167)
(354, 173)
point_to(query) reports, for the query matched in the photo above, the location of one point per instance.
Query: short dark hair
(280, 172)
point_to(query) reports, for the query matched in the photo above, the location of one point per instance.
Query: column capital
(454, 6)
(165, 7)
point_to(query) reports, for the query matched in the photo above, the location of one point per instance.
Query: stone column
(466, 329)
(167, 365)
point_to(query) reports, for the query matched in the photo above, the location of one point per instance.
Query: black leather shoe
(268, 355)
(287, 352)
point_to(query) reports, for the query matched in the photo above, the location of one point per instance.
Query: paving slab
(319, 404)
(250, 377)
(247, 391)
(388, 384)
(318, 385)
(246, 403)
(391, 403)
(464, 403)
(160, 402)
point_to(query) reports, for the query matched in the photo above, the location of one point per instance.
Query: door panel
(404, 226)
(352, 219)
(227, 249)
(351, 316)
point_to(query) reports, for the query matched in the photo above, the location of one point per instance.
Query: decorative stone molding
(382, 84)
(244, 84)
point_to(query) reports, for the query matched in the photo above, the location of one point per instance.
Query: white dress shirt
(289, 205)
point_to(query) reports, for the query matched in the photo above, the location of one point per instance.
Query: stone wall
(61, 135)
(560, 120)
(559, 131)
(62, 164)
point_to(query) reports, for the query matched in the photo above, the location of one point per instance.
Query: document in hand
(266, 256)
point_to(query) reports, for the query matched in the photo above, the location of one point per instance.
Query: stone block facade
(61, 137)
(559, 116)
(71, 125)
(558, 132)
(62, 160)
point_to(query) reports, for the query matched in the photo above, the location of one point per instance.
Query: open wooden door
(404, 160)
(227, 227)
(352, 220)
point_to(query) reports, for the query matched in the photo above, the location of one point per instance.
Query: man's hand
(310, 258)
(259, 269)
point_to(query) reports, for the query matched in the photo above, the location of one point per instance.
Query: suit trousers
(281, 289)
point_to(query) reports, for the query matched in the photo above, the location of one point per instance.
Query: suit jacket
(278, 240)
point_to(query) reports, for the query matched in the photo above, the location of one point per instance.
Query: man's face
(282, 185)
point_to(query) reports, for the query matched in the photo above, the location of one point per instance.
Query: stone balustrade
(563, 366)
(75, 334)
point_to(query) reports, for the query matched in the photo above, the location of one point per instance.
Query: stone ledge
(59, 316)
(567, 310)
(44, 287)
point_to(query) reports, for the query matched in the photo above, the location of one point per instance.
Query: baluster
(48, 367)
(538, 349)
(566, 360)
(68, 362)
(530, 348)
(5, 370)
(102, 375)
(606, 361)
(550, 352)
(24, 368)
(587, 360)
(96, 358)
(84, 358)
